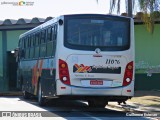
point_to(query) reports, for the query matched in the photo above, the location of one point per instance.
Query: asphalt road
(17, 107)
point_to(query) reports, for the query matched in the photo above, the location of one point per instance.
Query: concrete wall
(8, 42)
(147, 47)
(12, 39)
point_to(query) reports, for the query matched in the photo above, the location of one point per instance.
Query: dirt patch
(147, 98)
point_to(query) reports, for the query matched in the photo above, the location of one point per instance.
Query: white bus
(84, 57)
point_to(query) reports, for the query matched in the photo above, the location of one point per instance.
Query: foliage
(147, 7)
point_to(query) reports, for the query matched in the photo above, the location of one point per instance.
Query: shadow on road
(68, 109)
(73, 108)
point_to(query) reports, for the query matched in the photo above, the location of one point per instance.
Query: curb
(15, 93)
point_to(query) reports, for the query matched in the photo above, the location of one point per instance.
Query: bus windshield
(107, 34)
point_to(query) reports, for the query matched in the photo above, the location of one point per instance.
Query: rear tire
(97, 103)
(41, 99)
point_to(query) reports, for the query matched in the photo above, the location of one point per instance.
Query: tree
(129, 6)
(149, 8)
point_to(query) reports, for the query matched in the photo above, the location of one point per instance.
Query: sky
(53, 8)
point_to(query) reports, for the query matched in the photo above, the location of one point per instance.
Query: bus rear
(95, 56)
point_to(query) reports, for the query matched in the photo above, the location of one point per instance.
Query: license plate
(96, 82)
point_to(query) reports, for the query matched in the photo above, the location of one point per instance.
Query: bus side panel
(27, 73)
(25, 82)
(47, 77)
(48, 83)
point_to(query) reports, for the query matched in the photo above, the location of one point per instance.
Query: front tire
(41, 99)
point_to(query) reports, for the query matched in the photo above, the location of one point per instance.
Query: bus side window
(37, 39)
(49, 34)
(54, 39)
(43, 44)
(24, 45)
(20, 42)
(20, 46)
(54, 32)
(27, 47)
(43, 36)
(32, 46)
(22, 51)
(49, 42)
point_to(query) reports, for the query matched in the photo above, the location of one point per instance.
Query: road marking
(88, 115)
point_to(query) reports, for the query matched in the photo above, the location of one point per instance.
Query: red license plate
(96, 82)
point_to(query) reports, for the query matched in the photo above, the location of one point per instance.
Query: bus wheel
(26, 95)
(97, 103)
(41, 99)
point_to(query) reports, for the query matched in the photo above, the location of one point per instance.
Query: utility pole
(130, 2)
